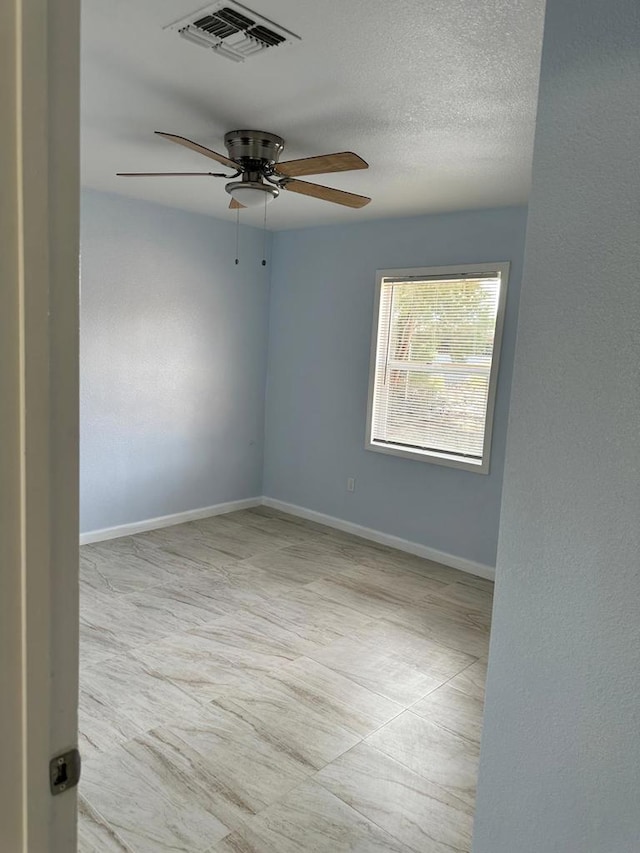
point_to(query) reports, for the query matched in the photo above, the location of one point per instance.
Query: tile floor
(256, 683)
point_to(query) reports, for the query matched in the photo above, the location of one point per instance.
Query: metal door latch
(64, 771)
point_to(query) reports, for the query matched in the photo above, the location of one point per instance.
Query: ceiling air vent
(232, 30)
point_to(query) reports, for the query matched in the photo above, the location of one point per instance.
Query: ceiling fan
(253, 155)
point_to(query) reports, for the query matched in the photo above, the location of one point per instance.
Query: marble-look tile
(310, 616)
(302, 563)
(118, 622)
(424, 816)
(379, 670)
(95, 834)
(135, 692)
(285, 528)
(434, 658)
(240, 585)
(176, 607)
(438, 571)
(357, 709)
(147, 807)
(191, 663)
(352, 560)
(472, 680)
(355, 595)
(392, 662)
(187, 542)
(361, 552)
(260, 538)
(376, 592)
(97, 646)
(453, 710)
(101, 723)
(245, 637)
(303, 524)
(468, 595)
(315, 713)
(447, 623)
(215, 541)
(235, 767)
(312, 820)
(307, 738)
(232, 523)
(397, 588)
(456, 611)
(478, 582)
(103, 572)
(124, 546)
(214, 759)
(272, 512)
(206, 596)
(441, 757)
(205, 689)
(375, 555)
(222, 652)
(129, 565)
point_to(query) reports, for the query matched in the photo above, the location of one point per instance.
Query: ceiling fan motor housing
(257, 152)
(254, 149)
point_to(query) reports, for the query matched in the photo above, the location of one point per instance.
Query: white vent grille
(232, 30)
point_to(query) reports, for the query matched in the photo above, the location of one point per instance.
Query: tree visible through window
(435, 363)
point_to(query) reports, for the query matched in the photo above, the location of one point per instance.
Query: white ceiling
(439, 96)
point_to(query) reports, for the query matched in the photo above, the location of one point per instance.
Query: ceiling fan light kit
(252, 193)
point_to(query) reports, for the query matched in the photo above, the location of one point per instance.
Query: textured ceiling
(439, 96)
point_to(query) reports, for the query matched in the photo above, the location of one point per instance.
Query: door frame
(39, 249)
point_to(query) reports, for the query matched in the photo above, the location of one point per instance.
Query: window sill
(447, 459)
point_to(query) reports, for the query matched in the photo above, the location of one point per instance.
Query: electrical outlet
(351, 484)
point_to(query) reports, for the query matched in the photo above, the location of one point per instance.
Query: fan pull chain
(237, 234)
(264, 233)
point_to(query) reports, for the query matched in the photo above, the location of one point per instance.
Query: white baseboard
(465, 565)
(166, 520)
(470, 566)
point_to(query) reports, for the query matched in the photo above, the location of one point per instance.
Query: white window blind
(435, 364)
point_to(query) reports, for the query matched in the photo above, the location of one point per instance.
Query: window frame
(448, 459)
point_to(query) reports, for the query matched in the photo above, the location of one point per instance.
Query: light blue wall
(320, 331)
(173, 365)
(173, 360)
(560, 762)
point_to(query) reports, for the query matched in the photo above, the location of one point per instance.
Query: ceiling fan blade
(235, 205)
(326, 193)
(169, 174)
(194, 146)
(342, 162)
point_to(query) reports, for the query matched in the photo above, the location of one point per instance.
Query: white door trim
(39, 165)
(11, 653)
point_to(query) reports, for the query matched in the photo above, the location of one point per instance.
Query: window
(434, 363)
